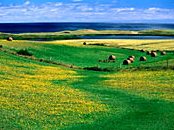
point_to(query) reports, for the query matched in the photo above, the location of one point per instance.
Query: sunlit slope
(149, 84)
(39, 96)
(73, 52)
(36, 95)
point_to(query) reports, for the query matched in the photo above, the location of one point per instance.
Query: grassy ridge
(158, 32)
(63, 35)
(38, 37)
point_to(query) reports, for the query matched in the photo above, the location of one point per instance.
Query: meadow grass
(130, 107)
(73, 52)
(37, 95)
(149, 84)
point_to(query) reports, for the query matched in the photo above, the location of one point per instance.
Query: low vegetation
(64, 35)
(45, 91)
(24, 52)
(158, 32)
(40, 96)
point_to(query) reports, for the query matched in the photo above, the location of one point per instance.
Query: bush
(24, 52)
(98, 69)
(98, 44)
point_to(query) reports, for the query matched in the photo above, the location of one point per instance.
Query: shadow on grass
(125, 111)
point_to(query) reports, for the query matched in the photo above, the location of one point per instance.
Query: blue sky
(158, 11)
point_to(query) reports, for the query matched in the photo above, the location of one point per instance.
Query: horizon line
(91, 22)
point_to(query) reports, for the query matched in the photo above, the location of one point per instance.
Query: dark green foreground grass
(126, 111)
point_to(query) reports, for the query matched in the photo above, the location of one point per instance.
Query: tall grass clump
(24, 52)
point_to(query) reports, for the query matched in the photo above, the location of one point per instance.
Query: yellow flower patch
(29, 89)
(149, 84)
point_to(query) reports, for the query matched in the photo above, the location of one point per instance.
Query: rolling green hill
(76, 54)
(43, 91)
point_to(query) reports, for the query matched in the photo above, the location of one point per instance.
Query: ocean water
(55, 27)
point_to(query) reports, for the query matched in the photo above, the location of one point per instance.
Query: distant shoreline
(91, 34)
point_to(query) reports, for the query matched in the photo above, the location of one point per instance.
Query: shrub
(96, 68)
(24, 52)
(97, 44)
(84, 43)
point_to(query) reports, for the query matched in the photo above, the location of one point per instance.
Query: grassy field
(73, 52)
(39, 95)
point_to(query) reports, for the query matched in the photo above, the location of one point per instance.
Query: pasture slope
(42, 95)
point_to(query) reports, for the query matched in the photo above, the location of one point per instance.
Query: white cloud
(63, 12)
(123, 9)
(27, 2)
(77, 0)
(153, 9)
